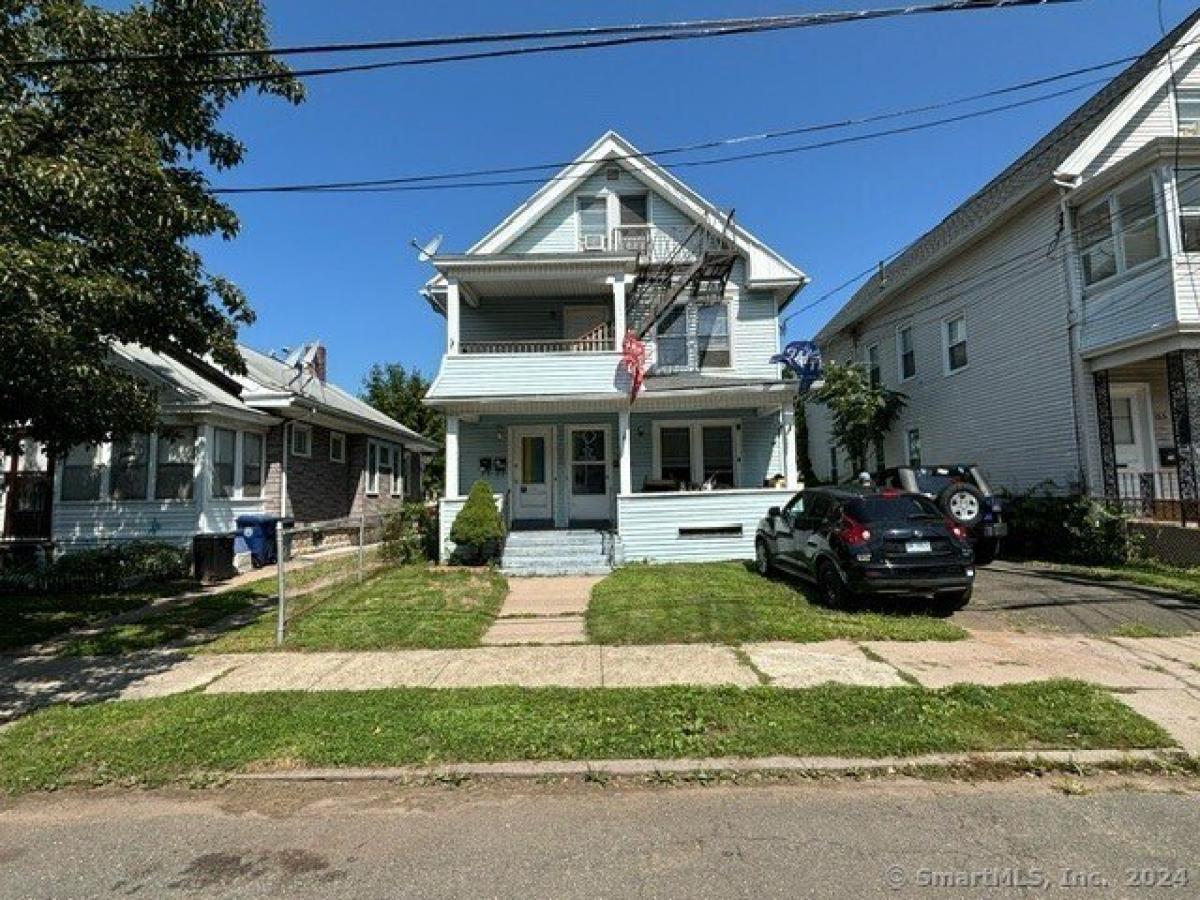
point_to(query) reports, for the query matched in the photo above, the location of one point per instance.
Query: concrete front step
(566, 552)
(543, 570)
(556, 539)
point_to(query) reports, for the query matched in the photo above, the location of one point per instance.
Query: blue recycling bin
(256, 536)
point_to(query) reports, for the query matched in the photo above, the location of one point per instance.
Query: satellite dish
(428, 250)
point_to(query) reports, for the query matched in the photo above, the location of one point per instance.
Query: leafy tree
(862, 414)
(398, 392)
(103, 193)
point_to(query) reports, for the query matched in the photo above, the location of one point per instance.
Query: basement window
(711, 531)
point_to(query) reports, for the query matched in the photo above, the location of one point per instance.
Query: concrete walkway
(543, 611)
(1159, 677)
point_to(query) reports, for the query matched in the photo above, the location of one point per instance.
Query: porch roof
(528, 274)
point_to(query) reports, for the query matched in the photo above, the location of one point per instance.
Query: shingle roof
(1031, 170)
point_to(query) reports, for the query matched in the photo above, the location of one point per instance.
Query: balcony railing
(1153, 495)
(656, 244)
(598, 340)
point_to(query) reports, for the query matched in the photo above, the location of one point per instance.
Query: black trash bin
(212, 557)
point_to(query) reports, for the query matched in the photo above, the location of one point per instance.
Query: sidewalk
(1158, 677)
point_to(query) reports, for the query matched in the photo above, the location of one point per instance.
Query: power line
(746, 26)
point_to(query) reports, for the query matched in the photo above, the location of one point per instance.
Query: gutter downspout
(1074, 324)
(283, 469)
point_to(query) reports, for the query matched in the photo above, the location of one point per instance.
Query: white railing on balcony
(654, 243)
(599, 339)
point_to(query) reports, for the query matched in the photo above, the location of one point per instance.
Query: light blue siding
(517, 319)
(475, 375)
(650, 524)
(756, 335)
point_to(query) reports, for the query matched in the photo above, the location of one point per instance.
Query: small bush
(478, 532)
(116, 567)
(410, 534)
(1066, 529)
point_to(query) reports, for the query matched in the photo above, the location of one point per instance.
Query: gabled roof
(182, 387)
(764, 266)
(1062, 154)
(270, 376)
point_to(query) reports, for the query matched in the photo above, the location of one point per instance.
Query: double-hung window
(224, 462)
(671, 338)
(912, 446)
(301, 440)
(129, 472)
(592, 213)
(1187, 104)
(337, 447)
(81, 473)
(874, 371)
(252, 465)
(176, 464)
(1119, 232)
(698, 454)
(712, 336)
(397, 472)
(906, 352)
(1187, 186)
(955, 336)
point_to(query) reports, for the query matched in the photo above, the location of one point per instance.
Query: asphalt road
(895, 838)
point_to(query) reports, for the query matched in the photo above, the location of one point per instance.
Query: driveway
(1019, 596)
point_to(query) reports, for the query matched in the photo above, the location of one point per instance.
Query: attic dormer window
(612, 173)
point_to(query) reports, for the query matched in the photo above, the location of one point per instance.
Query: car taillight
(853, 532)
(957, 530)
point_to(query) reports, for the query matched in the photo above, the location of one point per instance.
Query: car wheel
(963, 503)
(834, 592)
(951, 602)
(762, 558)
(986, 552)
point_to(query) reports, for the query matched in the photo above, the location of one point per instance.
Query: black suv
(963, 494)
(852, 542)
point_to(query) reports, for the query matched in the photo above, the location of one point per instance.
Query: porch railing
(1154, 495)
(654, 243)
(597, 340)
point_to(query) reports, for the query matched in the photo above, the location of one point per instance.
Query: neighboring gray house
(1049, 328)
(538, 401)
(280, 439)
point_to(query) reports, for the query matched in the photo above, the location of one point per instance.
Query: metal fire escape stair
(699, 265)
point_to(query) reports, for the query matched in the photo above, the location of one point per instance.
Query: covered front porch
(670, 481)
(1148, 416)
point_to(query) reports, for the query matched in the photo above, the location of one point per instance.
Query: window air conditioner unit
(1189, 129)
(593, 242)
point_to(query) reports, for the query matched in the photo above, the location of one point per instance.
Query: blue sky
(338, 267)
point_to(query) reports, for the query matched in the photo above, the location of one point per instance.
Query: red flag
(633, 360)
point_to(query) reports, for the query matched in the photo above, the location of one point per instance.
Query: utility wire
(718, 30)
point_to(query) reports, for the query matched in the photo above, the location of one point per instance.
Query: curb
(830, 765)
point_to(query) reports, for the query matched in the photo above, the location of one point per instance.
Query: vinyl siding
(650, 524)
(79, 525)
(518, 374)
(515, 319)
(1130, 308)
(759, 442)
(1011, 409)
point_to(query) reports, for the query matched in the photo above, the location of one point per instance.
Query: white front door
(590, 456)
(533, 473)
(1133, 436)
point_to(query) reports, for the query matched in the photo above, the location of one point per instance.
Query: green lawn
(399, 608)
(31, 620)
(189, 736)
(1146, 574)
(729, 603)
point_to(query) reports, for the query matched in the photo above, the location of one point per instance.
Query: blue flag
(803, 359)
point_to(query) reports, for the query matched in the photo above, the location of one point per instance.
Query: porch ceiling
(768, 396)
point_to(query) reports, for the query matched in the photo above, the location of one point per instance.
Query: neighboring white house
(532, 382)
(280, 439)
(1049, 328)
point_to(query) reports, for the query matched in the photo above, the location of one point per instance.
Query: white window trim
(240, 472)
(1118, 228)
(303, 427)
(696, 437)
(879, 361)
(602, 196)
(900, 329)
(235, 489)
(1191, 94)
(946, 369)
(339, 438)
(397, 470)
(691, 336)
(372, 488)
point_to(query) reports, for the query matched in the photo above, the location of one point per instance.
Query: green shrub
(410, 534)
(1066, 529)
(478, 532)
(116, 567)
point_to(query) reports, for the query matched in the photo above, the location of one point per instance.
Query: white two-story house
(1049, 328)
(537, 398)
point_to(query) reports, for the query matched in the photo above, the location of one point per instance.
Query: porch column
(452, 456)
(1183, 389)
(1108, 446)
(452, 306)
(626, 452)
(618, 288)
(790, 473)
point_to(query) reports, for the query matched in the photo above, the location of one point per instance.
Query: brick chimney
(320, 362)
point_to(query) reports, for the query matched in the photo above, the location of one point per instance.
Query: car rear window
(936, 480)
(892, 509)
